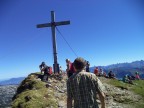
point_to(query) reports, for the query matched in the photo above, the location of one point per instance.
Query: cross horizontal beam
(53, 24)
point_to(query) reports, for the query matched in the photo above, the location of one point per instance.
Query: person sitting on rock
(127, 79)
(101, 72)
(44, 68)
(111, 74)
(105, 74)
(137, 76)
(133, 77)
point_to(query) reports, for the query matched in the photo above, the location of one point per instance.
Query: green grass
(119, 84)
(33, 93)
(41, 98)
(137, 88)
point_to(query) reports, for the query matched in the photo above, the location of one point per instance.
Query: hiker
(83, 88)
(101, 72)
(60, 69)
(105, 75)
(96, 71)
(70, 69)
(127, 79)
(137, 75)
(87, 66)
(132, 77)
(46, 70)
(111, 74)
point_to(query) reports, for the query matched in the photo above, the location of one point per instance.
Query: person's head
(136, 73)
(87, 63)
(126, 76)
(67, 60)
(43, 63)
(79, 64)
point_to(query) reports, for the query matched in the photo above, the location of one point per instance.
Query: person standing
(70, 69)
(60, 70)
(87, 66)
(137, 75)
(96, 71)
(83, 88)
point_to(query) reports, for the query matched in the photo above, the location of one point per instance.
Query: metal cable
(66, 41)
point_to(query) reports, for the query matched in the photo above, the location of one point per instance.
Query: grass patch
(32, 93)
(30, 83)
(137, 88)
(41, 98)
(119, 84)
(141, 105)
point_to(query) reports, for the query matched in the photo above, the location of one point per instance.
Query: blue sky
(103, 32)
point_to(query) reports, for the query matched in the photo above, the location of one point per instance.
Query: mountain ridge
(12, 81)
(121, 69)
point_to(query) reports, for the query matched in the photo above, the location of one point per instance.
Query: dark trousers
(45, 77)
(70, 74)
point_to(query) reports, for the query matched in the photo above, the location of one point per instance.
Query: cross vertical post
(53, 24)
(55, 65)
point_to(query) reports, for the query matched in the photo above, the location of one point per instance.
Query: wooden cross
(53, 24)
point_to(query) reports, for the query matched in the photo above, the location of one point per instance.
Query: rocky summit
(33, 93)
(6, 94)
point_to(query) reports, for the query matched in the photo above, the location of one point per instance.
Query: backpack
(50, 70)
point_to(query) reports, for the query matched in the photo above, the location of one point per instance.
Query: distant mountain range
(121, 69)
(12, 81)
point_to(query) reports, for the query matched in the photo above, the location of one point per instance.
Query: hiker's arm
(42, 69)
(69, 103)
(101, 94)
(69, 94)
(102, 99)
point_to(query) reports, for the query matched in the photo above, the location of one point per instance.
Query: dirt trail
(115, 97)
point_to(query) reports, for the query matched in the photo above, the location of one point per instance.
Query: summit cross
(53, 24)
